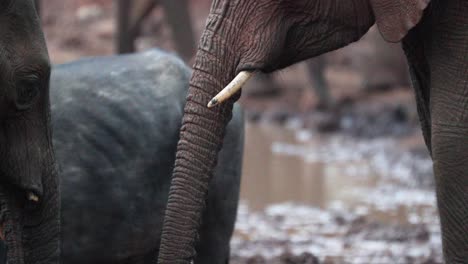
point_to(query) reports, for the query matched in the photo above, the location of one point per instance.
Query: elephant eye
(26, 91)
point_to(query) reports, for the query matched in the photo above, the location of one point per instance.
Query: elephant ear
(395, 18)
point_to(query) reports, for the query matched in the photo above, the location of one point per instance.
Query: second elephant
(116, 125)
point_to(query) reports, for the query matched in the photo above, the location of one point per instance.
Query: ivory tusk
(32, 197)
(231, 88)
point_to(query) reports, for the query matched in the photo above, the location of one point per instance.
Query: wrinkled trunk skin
(41, 241)
(41, 224)
(437, 52)
(11, 229)
(34, 234)
(32, 230)
(201, 138)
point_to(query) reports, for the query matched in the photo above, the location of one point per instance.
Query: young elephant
(266, 35)
(116, 124)
(29, 197)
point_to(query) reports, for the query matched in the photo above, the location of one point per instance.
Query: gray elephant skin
(29, 197)
(268, 35)
(116, 124)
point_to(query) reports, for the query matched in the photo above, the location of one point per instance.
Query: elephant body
(437, 53)
(116, 124)
(267, 35)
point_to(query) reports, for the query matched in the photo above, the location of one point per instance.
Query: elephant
(116, 124)
(29, 196)
(244, 36)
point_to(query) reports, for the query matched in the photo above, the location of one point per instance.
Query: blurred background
(335, 167)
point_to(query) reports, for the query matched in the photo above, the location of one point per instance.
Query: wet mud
(314, 197)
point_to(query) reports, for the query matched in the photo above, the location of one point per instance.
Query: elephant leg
(450, 153)
(448, 49)
(449, 136)
(212, 249)
(439, 70)
(143, 259)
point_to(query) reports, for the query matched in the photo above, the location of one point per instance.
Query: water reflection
(281, 166)
(343, 200)
(270, 177)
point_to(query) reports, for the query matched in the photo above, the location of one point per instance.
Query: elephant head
(29, 204)
(260, 35)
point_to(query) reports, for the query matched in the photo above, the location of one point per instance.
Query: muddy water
(340, 199)
(284, 164)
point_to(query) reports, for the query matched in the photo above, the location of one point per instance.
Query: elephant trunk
(42, 235)
(41, 223)
(201, 139)
(31, 229)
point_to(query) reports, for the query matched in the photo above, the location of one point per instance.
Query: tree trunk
(141, 9)
(178, 16)
(316, 72)
(125, 37)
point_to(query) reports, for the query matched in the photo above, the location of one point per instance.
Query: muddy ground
(338, 197)
(348, 184)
